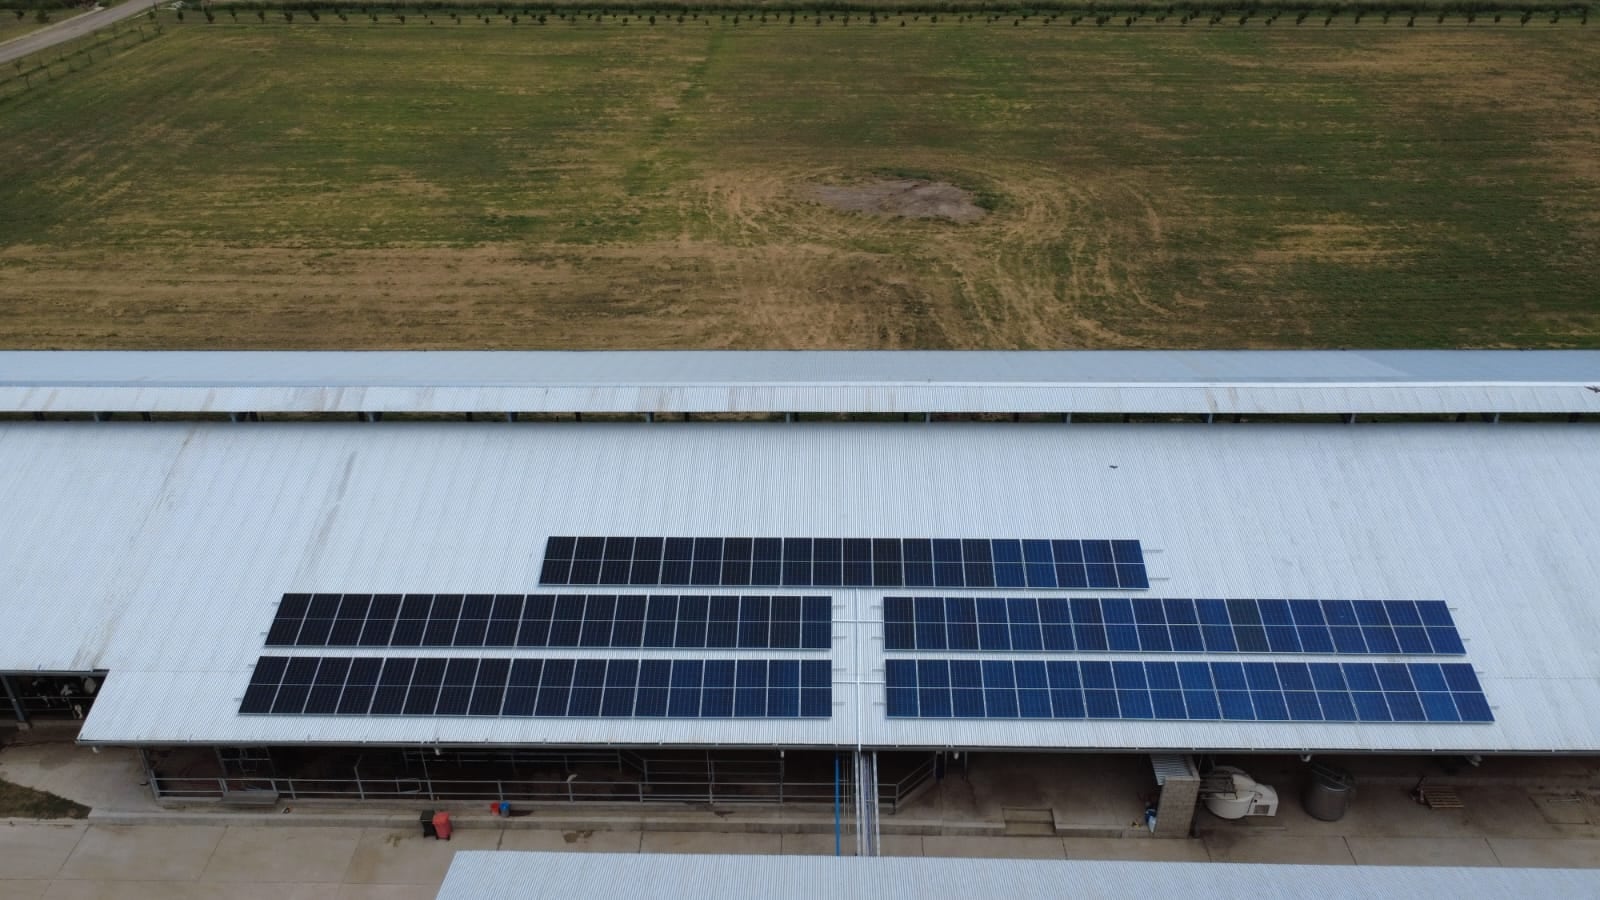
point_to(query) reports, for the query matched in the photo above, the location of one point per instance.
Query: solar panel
(844, 562)
(1153, 625)
(548, 688)
(1194, 691)
(554, 620)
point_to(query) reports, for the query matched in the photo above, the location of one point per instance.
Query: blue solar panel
(551, 620)
(1126, 689)
(845, 562)
(552, 688)
(1152, 625)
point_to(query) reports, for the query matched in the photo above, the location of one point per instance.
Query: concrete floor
(1517, 813)
(134, 862)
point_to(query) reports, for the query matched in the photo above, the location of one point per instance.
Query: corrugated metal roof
(1197, 382)
(159, 551)
(492, 875)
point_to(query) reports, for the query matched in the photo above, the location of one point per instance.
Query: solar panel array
(552, 620)
(1149, 625)
(844, 562)
(915, 688)
(1242, 691)
(546, 688)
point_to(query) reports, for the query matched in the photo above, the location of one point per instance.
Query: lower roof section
(1229, 382)
(159, 552)
(491, 875)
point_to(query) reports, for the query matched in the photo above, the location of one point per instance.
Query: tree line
(1035, 8)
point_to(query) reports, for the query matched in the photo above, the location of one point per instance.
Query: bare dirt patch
(903, 198)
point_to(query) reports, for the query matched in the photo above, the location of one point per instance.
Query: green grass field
(13, 27)
(590, 186)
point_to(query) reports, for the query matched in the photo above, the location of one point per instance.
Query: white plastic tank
(1247, 798)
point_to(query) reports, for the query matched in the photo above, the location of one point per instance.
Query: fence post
(150, 774)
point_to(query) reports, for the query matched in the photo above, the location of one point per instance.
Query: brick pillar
(1179, 795)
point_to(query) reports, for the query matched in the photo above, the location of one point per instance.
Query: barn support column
(1180, 793)
(150, 775)
(866, 765)
(15, 699)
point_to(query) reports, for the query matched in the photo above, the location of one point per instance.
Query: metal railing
(501, 790)
(722, 784)
(893, 795)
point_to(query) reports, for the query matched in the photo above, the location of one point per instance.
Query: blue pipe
(837, 828)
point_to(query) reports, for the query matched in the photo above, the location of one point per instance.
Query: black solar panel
(1146, 625)
(1203, 691)
(552, 688)
(555, 620)
(844, 562)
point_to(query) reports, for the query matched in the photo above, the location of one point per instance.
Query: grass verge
(18, 802)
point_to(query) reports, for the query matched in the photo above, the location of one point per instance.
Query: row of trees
(44, 66)
(1181, 14)
(28, 7)
(894, 8)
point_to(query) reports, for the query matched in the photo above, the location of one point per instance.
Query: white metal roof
(159, 551)
(1197, 382)
(492, 875)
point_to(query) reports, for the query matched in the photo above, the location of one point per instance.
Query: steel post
(15, 698)
(838, 823)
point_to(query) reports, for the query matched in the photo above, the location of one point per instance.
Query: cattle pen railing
(892, 795)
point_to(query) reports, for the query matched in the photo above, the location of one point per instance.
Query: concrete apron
(567, 819)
